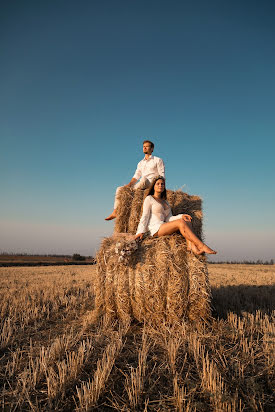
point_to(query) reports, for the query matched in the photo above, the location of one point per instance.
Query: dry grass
(54, 356)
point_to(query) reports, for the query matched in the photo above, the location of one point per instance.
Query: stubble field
(54, 357)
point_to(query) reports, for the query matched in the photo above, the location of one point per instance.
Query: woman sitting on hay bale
(158, 220)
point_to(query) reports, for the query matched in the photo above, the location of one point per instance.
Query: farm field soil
(53, 356)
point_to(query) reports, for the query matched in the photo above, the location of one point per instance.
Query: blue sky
(83, 83)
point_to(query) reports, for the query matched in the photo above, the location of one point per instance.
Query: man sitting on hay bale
(148, 168)
(157, 219)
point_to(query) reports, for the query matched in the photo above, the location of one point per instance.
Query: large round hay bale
(160, 281)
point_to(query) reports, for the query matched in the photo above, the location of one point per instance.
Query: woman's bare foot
(112, 215)
(189, 245)
(195, 249)
(206, 249)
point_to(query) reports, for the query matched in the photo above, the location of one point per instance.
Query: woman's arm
(146, 213)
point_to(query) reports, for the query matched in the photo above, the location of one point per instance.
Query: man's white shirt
(150, 168)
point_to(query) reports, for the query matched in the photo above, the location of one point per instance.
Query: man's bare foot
(112, 215)
(206, 249)
(189, 245)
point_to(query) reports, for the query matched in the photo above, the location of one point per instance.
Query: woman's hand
(186, 218)
(139, 236)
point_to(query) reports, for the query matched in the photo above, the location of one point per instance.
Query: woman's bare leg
(179, 224)
(190, 245)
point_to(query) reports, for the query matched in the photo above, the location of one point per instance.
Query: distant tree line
(75, 256)
(245, 262)
(78, 257)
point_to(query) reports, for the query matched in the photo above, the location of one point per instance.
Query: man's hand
(186, 218)
(131, 183)
(139, 236)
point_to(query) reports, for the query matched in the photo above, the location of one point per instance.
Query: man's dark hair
(151, 143)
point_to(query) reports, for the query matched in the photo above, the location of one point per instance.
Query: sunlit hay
(191, 205)
(125, 198)
(199, 302)
(100, 292)
(103, 290)
(122, 294)
(129, 210)
(157, 283)
(178, 287)
(136, 210)
(149, 280)
(171, 196)
(112, 296)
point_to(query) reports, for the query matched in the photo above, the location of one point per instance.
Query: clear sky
(82, 83)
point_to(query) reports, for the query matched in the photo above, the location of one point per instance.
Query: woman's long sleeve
(174, 218)
(146, 213)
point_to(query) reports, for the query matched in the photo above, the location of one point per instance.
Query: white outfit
(150, 168)
(147, 169)
(154, 215)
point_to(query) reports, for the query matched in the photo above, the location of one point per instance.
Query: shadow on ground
(243, 298)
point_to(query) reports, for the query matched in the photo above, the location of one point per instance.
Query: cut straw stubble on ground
(220, 365)
(134, 382)
(89, 392)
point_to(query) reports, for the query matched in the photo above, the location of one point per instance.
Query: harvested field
(53, 356)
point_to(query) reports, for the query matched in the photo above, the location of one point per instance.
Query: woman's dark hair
(151, 190)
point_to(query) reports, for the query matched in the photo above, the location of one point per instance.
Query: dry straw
(161, 280)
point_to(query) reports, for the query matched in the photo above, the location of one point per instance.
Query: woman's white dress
(154, 215)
